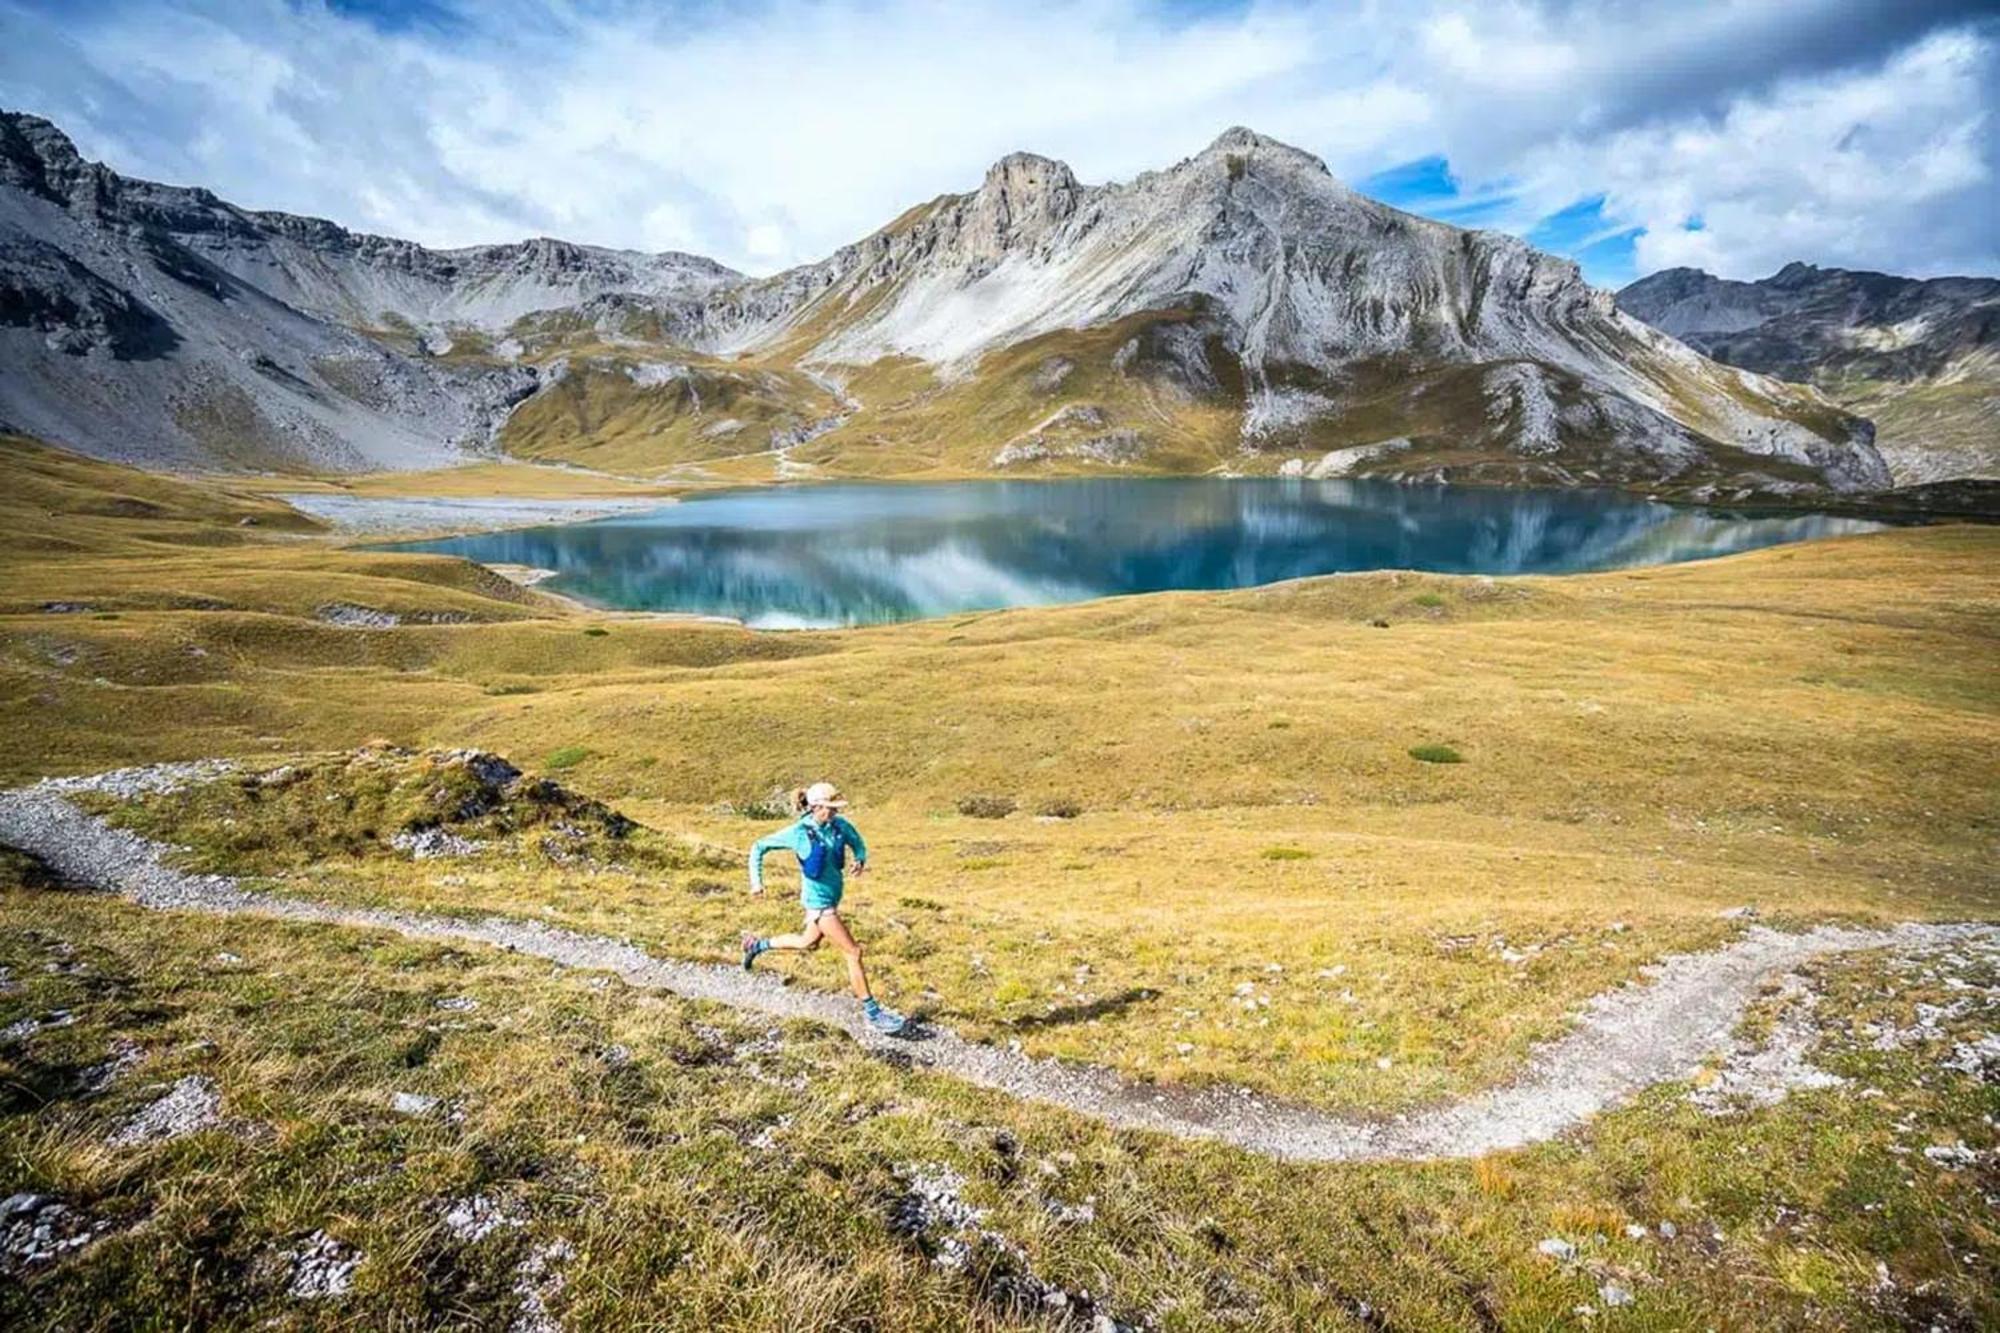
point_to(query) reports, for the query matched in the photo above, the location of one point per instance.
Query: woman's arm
(781, 840)
(860, 847)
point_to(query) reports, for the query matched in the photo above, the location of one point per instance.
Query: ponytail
(798, 800)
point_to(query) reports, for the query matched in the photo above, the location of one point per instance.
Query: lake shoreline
(843, 554)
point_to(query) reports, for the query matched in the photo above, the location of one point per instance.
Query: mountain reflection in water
(841, 554)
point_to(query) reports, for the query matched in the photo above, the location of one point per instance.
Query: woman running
(820, 837)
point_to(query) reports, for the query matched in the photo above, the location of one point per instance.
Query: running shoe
(885, 1021)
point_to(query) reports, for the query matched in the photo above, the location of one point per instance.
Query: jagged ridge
(1251, 286)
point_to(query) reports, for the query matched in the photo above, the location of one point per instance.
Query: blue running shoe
(752, 946)
(885, 1021)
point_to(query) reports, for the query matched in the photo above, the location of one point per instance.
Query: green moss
(1436, 754)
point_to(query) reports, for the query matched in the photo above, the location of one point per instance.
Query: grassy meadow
(1229, 853)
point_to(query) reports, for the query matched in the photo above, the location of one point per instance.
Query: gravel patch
(538, 1281)
(22, 1029)
(473, 1219)
(321, 1267)
(353, 514)
(933, 1215)
(347, 615)
(1651, 1031)
(1763, 1074)
(37, 1230)
(130, 783)
(125, 1056)
(190, 1105)
(433, 843)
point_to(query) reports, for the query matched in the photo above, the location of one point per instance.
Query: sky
(1630, 135)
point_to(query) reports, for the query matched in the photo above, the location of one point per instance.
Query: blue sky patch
(1427, 186)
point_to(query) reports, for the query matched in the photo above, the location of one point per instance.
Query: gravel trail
(382, 515)
(1624, 1041)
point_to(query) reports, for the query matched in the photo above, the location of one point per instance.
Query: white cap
(824, 793)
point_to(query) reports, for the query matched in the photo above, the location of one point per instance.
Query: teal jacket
(798, 838)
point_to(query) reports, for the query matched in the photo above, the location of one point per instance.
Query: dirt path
(1624, 1041)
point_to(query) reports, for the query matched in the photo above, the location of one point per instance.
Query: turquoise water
(840, 554)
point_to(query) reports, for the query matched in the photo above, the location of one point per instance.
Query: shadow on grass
(1065, 1014)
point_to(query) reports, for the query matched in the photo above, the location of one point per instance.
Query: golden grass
(913, 425)
(599, 417)
(1958, 418)
(705, 1172)
(1809, 729)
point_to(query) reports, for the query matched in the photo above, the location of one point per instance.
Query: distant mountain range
(1919, 357)
(1239, 312)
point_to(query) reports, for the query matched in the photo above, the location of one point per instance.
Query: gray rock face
(1802, 321)
(160, 324)
(1323, 299)
(1921, 356)
(122, 336)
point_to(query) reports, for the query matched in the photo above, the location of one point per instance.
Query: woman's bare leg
(837, 934)
(808, 939)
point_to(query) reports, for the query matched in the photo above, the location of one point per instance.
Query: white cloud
(1850, 131)
(1861, 169)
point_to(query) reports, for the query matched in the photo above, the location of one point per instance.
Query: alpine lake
(839, 554)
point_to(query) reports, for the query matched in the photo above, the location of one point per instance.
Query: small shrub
(1379, 623)
(1429, 599)
(1278, 723)
(514, 687)
(981, 863)
(1059, 807)
(597, 631)
(1436, 754)
(706, 888)
(1286, 854)
(920, 904)
(567, 757)
(977, 806)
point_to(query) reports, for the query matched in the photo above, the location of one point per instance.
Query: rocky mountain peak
(1246, 276)
(36, 156)
(1022, 197)
(1247, 146)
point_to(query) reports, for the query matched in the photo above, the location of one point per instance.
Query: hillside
(1921, 358)
(1213, 856)
(1240, 311)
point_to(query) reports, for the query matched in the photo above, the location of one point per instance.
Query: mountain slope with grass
(1240, 311)
(1921, 358)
